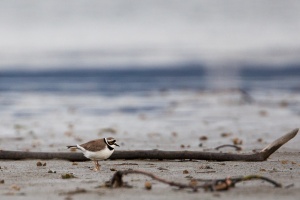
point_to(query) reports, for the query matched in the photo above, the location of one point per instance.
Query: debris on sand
(67, 176)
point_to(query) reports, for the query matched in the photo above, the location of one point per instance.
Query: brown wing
(94, 145)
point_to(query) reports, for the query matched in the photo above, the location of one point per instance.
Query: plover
(96, 150)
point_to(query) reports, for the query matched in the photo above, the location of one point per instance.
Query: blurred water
(104, 82)
(146, 81)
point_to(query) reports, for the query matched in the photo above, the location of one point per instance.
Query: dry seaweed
(208, 185)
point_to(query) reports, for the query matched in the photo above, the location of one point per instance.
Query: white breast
(98, 155)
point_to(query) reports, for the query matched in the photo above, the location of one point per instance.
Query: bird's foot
(96, 169)
(97, 166)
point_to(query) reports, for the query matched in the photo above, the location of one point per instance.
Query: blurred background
(108, 65)
(223, 41)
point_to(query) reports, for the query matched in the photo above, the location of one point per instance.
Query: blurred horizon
(147, 80)
(47, 35)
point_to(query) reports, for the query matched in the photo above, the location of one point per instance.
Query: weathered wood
(157, 154)
(271, 148)
(177, 155)
(20, 155)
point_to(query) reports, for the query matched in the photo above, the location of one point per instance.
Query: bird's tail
(72, 146)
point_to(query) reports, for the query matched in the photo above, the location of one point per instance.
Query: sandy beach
(219, 118)
(26, 180)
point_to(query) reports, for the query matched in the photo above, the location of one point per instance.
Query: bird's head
(111, 142)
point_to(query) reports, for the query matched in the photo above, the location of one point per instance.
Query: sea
(98, 64)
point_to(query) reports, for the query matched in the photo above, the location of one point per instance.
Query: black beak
(116, 144)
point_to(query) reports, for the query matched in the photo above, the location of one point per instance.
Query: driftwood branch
(212, 185)
(157, 154)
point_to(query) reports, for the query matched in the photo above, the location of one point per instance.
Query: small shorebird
(96, 150)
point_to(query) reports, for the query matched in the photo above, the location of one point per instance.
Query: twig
(230, 182)
(289, 186)
(246, 96)
(117, 181)
(254, 177)
(212, 185)
(229, 145)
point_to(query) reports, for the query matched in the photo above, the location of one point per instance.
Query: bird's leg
(97, 166)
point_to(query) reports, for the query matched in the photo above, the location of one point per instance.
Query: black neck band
(109, 147)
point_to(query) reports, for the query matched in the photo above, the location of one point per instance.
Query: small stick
(229, 145)
(212, 185)
(118, 182)
(251, 177)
